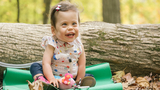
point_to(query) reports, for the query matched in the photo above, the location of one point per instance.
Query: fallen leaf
(128, 76)
(118, 75)
(132, 88)
(125, 85)
(151, 82)
(148, 78)
(131, 82)
(153, 86)
(36, 85)
(142, 82)
(158, 85)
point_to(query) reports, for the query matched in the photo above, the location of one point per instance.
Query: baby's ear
(53, 30)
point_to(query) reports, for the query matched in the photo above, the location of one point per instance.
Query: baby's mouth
(71, 34)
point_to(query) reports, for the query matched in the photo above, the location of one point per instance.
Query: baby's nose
(70, 28)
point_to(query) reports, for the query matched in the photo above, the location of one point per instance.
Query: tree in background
(111, 11)
(46, 12)
(18, 11)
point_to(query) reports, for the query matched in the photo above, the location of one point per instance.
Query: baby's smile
(70, 35)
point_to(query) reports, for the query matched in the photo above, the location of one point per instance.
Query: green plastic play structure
(15, 79)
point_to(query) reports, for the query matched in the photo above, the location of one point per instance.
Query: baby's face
(67, 26)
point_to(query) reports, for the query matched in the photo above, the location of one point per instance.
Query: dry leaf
(158, 84)
(151, 82)
(131, 88)
(118, 75)
(128, 83)
(125, 85)
(131, 82)
(142, 82)
(128, 76)
(153, 86)
(36, 85)
(118, 80)
(148, 78)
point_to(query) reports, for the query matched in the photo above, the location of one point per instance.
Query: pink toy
(67, 82)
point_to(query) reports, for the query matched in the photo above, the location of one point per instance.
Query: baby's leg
(36, 70)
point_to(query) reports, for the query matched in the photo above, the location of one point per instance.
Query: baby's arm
(46, 64)
(81, 65)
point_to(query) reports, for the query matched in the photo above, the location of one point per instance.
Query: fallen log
(134, 47)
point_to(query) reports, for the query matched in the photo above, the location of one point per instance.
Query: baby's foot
(41, 78)
(88, 81)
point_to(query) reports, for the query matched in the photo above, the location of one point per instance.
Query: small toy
(67, 82)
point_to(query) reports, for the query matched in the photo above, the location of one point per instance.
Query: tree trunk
(111, 11)
(136, 47)
(46, 12)
(18, 11)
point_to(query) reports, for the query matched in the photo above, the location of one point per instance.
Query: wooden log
(136, 47)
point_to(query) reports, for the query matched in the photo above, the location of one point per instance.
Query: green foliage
(132, 11)
(31, 11)
(7, 11)
(140, 11)
(91, 9)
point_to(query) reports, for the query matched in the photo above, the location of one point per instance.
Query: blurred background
(111, 11)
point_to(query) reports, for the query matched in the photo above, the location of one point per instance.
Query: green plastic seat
(15, 79)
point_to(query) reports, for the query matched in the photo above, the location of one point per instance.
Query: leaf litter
(151, 82)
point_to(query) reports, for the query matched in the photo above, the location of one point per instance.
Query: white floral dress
(65, 56)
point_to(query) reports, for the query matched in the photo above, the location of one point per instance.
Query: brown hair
(65, 6)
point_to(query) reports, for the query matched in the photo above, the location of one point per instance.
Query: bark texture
(134, 47)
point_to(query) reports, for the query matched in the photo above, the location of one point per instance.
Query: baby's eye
(64, 24)
(74, 23)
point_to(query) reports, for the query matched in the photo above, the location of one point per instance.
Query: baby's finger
(54, 84)
(57, 85)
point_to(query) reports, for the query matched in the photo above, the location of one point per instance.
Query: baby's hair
(63, 6)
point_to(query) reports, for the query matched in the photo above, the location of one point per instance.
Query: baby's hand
(61, 55)
(54, 82)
